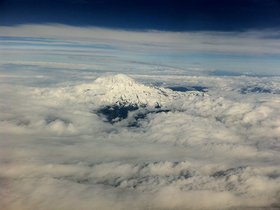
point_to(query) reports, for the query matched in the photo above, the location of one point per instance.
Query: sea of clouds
(214, 150)
(219, 150)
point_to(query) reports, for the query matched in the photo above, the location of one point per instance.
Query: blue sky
(170, 15)
(190, 37)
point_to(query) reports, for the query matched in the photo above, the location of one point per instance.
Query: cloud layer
(218, 150)
(148, 52)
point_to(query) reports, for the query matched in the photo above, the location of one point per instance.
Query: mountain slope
(121, 89)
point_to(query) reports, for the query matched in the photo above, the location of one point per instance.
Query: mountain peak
(121, 89)
(115, 80)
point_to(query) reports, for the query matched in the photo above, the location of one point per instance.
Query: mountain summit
(115, 80)
(121, 89)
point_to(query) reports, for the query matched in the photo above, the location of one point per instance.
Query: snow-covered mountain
(115, 96)
(120, 89)
(116, 90)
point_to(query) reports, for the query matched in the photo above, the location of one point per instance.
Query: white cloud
(152, 52)
(218, 150)
(243, 42)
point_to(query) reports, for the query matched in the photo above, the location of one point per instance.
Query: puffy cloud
(216, 150)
